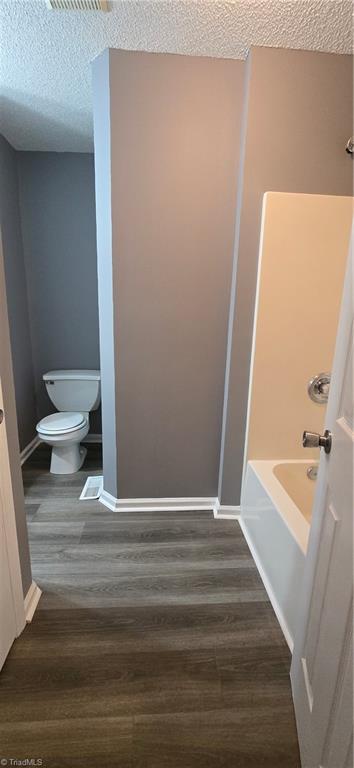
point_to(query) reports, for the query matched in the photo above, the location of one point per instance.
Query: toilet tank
(74, 390)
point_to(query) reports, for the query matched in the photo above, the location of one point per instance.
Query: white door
(8, 625)
(8, 628)
(12, 613)
(321, 670)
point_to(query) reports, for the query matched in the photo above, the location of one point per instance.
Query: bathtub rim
(290, 513)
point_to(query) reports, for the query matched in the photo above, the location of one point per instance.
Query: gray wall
(49, 253)
(297, 122)
(59, 234)
(17, 294)
(10, 425)
(172, 129)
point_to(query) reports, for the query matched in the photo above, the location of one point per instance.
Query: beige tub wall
(303, 252)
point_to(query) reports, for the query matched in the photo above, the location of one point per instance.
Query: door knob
(314, 440)
(1, 415)
(318, 387)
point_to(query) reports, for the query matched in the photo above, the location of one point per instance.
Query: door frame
(5, 467)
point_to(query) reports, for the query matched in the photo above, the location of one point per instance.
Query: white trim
(29, 449)
(236, 245)
(164, 504)
(275, 605)
(31, 601)
(254, 337)
(224, 512)
(92, 437)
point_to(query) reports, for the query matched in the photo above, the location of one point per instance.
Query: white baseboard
(29, 449)
(224, 512)
(165, 505)
(92, 438)
(275, 605)
(31, 601)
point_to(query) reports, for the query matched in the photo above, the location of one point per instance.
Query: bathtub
(276, 506)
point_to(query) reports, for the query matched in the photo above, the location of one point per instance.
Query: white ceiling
(45, 55)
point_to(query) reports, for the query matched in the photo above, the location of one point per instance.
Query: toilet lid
(61, 422)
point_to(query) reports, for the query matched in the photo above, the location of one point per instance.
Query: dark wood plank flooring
(154, 644)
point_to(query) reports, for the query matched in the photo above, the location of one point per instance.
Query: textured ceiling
(45, 55)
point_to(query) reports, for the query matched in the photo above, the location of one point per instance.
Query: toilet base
(67, 459)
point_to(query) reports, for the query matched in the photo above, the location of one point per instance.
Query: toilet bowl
(64, 432)
(74, 393)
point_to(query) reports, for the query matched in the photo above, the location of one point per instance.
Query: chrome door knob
(314, 440)
(318, 387)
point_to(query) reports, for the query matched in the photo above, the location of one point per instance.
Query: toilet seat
(62, 423)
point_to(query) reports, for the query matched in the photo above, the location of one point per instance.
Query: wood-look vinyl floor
(154, 644)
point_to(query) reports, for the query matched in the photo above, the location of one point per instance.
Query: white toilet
(74, 393)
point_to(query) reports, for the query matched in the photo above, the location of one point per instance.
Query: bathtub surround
(297, 122)
(57, 201)
(304, 243)
(303, 254)
(17, 298)
(166, 152)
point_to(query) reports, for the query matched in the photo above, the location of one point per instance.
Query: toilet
(74, 393)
